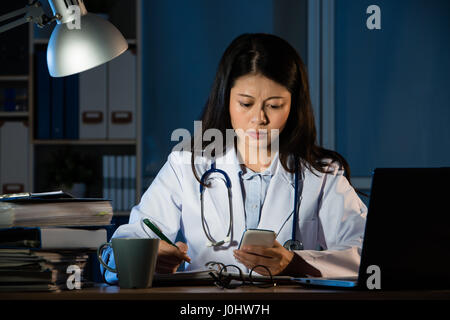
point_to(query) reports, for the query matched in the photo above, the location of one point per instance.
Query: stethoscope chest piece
(292, 245)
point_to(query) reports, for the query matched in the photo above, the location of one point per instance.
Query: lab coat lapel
(278, 205)
(229, 163)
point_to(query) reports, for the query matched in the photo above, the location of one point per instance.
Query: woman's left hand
(276, 259)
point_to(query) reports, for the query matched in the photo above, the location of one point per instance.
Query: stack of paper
(47, 210)
(41, 235)
(27, 270)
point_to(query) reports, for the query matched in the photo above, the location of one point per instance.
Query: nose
(260, 117)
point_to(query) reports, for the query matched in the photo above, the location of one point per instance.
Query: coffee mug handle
(100, 259)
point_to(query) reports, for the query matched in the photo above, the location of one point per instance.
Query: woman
(261, 92)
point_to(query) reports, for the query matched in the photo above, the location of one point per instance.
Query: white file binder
(14, 157)
(93, 103)
(122, 97)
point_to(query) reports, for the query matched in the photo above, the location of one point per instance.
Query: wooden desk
(209, 302)
(249, 293)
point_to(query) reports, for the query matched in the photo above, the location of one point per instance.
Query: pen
(158, 232)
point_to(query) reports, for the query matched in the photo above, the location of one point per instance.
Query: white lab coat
(331, 215)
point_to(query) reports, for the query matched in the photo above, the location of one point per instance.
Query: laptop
(407, 234)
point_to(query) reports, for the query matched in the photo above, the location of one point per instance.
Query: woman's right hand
(170, 258)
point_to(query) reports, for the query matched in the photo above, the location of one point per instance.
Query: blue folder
(71, 121)
(42, 96)
(57, 108)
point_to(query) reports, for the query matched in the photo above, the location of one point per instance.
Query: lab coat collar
(247, 173)
(230, 163)
(279, 203)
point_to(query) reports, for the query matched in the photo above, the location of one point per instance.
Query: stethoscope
(292, 244)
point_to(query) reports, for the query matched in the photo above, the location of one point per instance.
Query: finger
(173, 257)
(169, 260)
(276, 244)
(165, 269)
(258, 250)
(184, 249)
(185, 257)
(168, 249)
(165, 264)
(251, 260)
(182, 246)
(164, 247)
(250, 263)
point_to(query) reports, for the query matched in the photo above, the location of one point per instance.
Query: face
(257, 106)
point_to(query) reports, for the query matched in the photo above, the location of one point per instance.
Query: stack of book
(30, 270)
(48, 240)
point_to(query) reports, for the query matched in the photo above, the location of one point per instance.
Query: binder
(122, 97)
(93, 104)
(126, 183)
(42, 97)
(57, 108)
(105, 161)
(71, 87)
(119, 180)
(52, 238)
(13, 156)
(9, 103)
(132, 194)
(112, 182)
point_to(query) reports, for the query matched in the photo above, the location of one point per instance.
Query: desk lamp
(72, 48)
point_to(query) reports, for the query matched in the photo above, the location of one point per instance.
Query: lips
(260, 134)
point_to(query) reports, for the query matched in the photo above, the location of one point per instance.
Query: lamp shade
(72, 51)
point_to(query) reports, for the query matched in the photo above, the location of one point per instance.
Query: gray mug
(135, 260)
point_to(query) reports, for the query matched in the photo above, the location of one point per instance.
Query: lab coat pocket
(308, 231)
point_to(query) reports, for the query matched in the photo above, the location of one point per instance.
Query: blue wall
(392, 85)
(183, 42)
(392, 97)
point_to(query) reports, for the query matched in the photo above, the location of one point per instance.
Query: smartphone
(258, 237)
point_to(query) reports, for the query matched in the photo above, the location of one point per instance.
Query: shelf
(14, 78)
(40, 41)
(84, 142)
(126, 16)
(13, 114)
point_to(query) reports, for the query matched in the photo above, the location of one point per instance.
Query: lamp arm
(31, 13)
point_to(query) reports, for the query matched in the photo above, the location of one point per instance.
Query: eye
(245, 105)
(274, 106)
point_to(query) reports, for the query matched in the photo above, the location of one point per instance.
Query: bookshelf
(125, 15)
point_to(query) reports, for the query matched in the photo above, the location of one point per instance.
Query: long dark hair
(276, 59)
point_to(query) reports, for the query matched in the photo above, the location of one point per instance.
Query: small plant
(68, 167)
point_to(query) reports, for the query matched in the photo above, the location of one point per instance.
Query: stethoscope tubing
(213, 169)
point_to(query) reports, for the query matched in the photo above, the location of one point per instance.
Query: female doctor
(260, 92)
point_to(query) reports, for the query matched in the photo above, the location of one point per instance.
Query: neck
(256, 158)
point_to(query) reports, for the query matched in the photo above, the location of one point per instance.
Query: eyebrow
(249, 96)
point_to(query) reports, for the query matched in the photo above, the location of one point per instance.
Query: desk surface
(282, 292)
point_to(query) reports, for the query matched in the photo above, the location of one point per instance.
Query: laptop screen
(408, 228)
